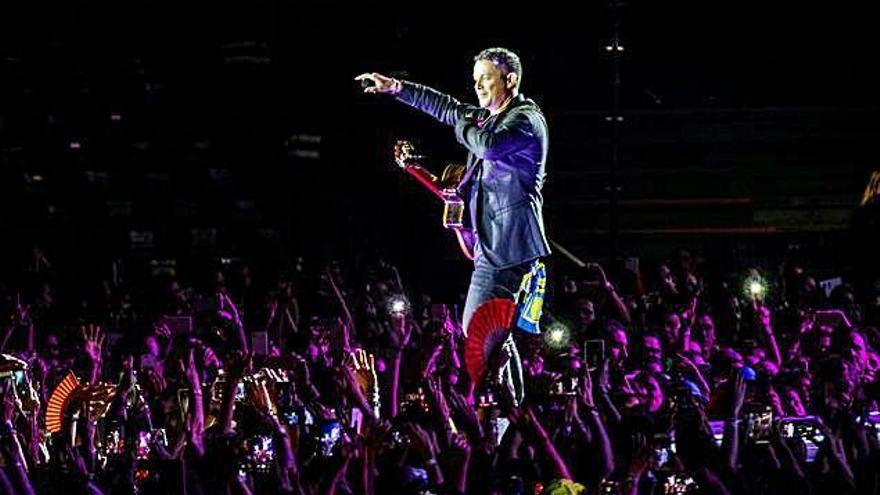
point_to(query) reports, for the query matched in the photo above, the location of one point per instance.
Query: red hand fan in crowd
(487, 329)
(58, 402)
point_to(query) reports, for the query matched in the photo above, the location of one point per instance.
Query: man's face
(586, 312)
(492, 88)
(152, 345)
(652, 348)
(619, 346)
(707, 324)
(671, 327)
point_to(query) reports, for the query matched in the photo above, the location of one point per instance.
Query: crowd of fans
(336, 379)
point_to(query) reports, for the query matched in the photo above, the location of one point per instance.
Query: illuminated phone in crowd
(239, 392)
(113, 444)
(759, 424)
(807, 430)
(872, 421)
(145, 442)
(260, 454)
(679, 483)
(717, 428)
(662, 450)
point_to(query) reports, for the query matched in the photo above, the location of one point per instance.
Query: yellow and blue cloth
(530, 298)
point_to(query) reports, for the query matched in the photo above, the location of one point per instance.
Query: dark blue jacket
(506, 170)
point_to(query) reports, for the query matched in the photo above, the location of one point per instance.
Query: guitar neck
(426, 178)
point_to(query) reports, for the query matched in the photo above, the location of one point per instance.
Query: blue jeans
(489, 283)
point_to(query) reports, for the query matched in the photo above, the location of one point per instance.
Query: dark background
(194, 130)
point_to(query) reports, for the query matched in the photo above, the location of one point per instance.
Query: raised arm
(597, 425)
(442, 107)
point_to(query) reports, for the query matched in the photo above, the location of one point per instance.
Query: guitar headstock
(404, 152)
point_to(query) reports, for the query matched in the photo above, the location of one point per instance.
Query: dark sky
(687, 52)
(247, 75)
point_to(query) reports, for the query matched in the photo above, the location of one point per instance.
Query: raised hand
(21, 316)
(156, 380)
(401, 330)
(209, 358)
(459, 443)
(422, 440)
(603, 278)
(228, 310)
(439, 400)
(364, 366)
(376, 434)
(238, 364)
(300, 368)
(466, 414)
(346, 325)
(262, 397)
(191, 370)
(127, 378)
(762, 316)
(834, 446)
(162, 330)
(359, 372)
(93, 341)
(380, 83)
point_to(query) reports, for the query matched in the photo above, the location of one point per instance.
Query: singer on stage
(507, 140)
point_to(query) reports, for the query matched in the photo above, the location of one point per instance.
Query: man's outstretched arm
(441, 106)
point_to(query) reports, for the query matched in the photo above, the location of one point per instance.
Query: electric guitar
(444, 188)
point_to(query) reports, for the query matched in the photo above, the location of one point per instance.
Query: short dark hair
(505, 59)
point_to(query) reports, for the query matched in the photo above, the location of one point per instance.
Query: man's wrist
(396, 87)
